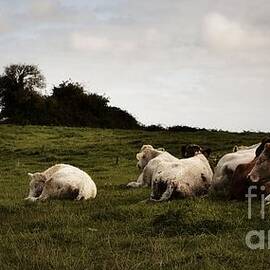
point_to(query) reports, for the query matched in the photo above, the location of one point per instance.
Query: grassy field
(117, 230)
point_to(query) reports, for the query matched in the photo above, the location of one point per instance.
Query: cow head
(261, 170)
(146, 154)
(260, 149)
(37, 182)
(191, 150)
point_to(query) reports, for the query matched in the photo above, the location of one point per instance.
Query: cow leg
(138, 183)
(79, 196)
(134, 184)
(31, 199)
(35, 199)
(166, 195)
(42, 197)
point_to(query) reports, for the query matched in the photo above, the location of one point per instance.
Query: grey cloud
(222, 33)
(204, 63)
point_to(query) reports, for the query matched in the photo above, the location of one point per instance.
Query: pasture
(117, 230)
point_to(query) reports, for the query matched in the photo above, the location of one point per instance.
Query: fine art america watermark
(256, 239)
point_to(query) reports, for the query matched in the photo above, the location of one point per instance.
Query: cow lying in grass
(183, 178)
(61, 181)
(260, 173)
(148, 159)
(242, 177)
(226, 167)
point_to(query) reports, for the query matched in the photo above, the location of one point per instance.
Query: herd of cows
(168, 176)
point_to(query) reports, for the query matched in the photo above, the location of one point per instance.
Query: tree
(18, 91)
(71, 105)
(118, 118)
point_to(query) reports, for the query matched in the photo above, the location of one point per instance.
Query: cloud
(81, 41)
(116, 38)
(157, 59)
(89, 42)
(224, 34)
(5, 25)
(44, 7)
(6, 20)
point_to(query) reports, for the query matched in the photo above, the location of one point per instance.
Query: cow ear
(143, 147)
(146, 146)
(30, 174)
(138, 156)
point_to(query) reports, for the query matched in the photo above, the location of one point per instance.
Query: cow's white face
(143, 158)
(261, 170)
(37, 182)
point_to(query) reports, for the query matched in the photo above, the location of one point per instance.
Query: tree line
(69, 104)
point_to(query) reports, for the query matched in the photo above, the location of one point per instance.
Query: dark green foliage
(185, 129)
(18, 97)
(154, 128)
(69, 104)
(118, 118)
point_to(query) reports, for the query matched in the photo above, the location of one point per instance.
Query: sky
(202, 63)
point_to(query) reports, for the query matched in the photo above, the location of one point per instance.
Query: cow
(148, 158)
(61, 181)
(187, 177)
(260, 173)
(225, 168)
(238, 183)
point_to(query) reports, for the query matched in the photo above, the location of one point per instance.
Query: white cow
(226, 166)
(59, 182)
(183, 178)
(148, 159)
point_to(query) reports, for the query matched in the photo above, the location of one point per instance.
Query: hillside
(117, 230)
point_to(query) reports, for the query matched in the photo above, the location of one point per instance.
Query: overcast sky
(203, 63)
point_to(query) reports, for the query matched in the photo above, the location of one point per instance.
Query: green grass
(117, 230)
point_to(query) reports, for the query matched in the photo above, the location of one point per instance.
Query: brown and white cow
(260, 173)
(250, 173)
(226, 167)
